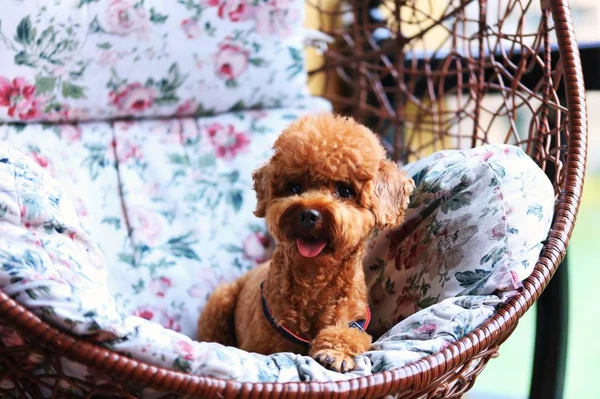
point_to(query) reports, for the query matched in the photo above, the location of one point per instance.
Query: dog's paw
(335, 347)
(335, 360)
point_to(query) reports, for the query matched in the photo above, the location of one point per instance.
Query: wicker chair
(383, 69)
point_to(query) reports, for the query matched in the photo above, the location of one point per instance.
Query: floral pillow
(155, 195)
(101, 59)
(475, 226)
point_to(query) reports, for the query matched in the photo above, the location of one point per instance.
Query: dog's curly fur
(319, 296)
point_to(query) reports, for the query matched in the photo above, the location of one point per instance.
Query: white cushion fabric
(100, 59)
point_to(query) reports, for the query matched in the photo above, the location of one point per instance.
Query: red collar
(285, 332)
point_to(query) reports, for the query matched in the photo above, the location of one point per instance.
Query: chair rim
(417, 375)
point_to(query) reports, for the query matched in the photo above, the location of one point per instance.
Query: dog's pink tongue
(310, 249)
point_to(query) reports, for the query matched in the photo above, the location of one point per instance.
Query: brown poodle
(327, 186)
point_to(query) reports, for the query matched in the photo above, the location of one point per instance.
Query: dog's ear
(390, 195)
(261, 185)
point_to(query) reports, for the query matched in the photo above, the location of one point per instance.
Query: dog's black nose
(309, 217)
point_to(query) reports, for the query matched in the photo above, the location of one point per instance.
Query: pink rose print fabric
(19, 97)
(231, 61)
(134, 97)
(94, 60)
(191, 28)
(124, 18)
(226, 141)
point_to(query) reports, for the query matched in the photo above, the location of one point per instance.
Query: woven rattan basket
(420, 74)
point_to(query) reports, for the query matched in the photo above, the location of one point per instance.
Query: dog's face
(327, 186)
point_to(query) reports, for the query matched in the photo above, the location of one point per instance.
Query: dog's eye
(295, 188)
(344, 191)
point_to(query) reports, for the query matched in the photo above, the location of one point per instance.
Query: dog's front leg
(336, 347)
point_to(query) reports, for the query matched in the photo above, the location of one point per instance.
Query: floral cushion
(475, 226)
(160, 277)
(100, 59)
(49, 263)
(155, 195)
